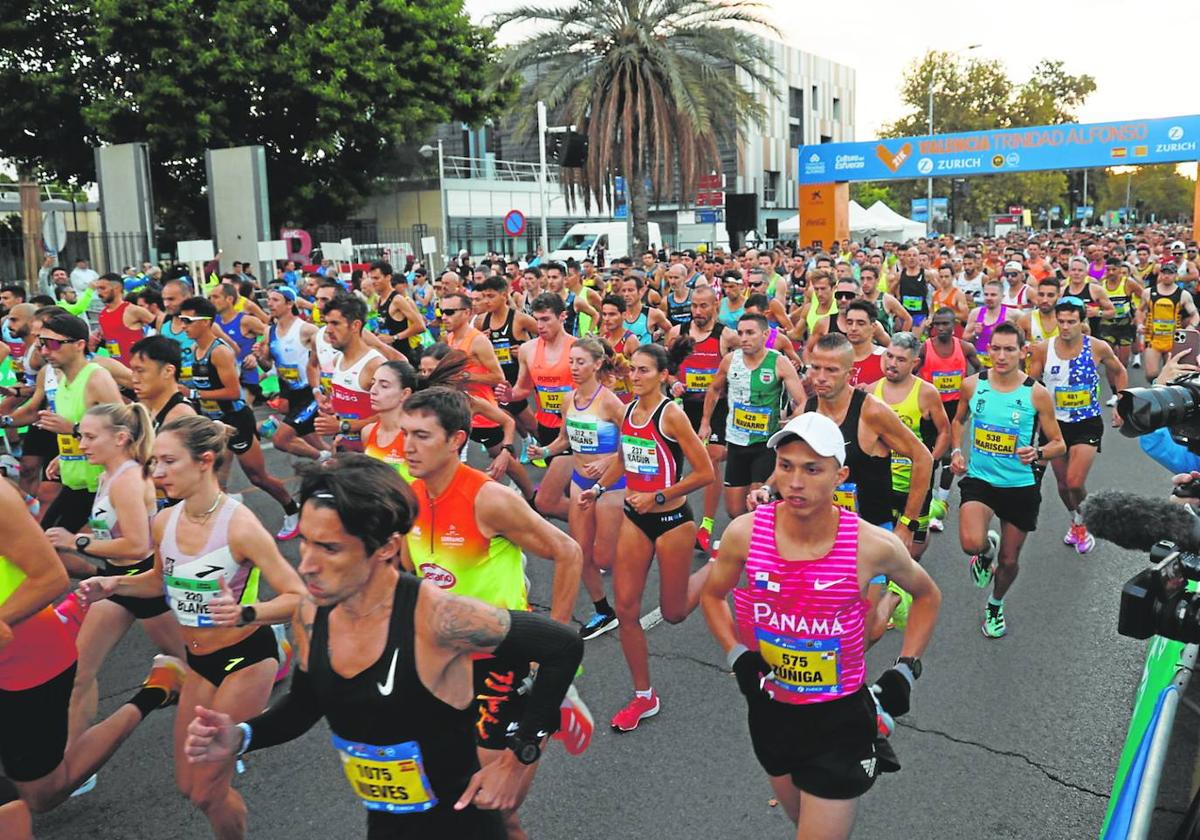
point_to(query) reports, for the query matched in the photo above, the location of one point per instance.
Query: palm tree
(653, 84)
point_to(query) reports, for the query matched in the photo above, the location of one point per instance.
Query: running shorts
(657, 523)
(1016, 505)
(33, 727)
(746, 465)
(216, 666)
(138, 607)
(694, 409)
(246, 432)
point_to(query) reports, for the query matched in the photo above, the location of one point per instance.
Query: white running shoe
(290, 527)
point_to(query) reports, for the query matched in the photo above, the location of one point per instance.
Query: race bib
(552, 397)
(584, 434)
(845, 496)
(100, 529)
(802, 666)
(640, 454)
(913, 303)
(390, 778)
(189, 598)
(1072, 397)
(1162, 328)
(698, 381)
(985, 360)
(996, 440)
(326, 381)
(948, 381)
(1120, 308)
(752, 418)
(503, 351)
(210, 408)
(290, 375)
(185, 372)
(68, 448)
(112, 347)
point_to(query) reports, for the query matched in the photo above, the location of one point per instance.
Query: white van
(583, 238)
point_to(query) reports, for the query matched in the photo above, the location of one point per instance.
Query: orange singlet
(552, 382)
(392, 453)
(476, 389)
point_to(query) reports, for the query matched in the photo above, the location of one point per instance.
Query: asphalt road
(1015, 738)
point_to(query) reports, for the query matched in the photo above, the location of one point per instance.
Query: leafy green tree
(1160, 190)
(650, 83)
(867, 193)
(973, 94)
(328, 87)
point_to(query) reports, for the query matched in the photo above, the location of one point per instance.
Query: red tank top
(350, 400)
(868, 370)
(118, 338)
(945, 373)
(552, 383)
(652, 458)
(696, 372)
(475, 368)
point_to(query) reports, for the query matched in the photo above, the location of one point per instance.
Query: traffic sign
(514, 223)
(54, 231)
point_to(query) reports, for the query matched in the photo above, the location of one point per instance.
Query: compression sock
(148, 699)
(645, 695)
(995, 602)
(1077, 517)
(602, 607)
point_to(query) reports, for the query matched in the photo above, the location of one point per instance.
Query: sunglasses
(193, 319)
(452, 311)
(55, 343)
(845, 295)
(1012, 274)
(757, 285)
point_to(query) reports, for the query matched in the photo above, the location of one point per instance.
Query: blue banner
(1071, 146)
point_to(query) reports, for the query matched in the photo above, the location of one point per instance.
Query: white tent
(858, 216)
(899, 228)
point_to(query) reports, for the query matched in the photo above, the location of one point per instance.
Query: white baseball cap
(1013, 265)
(1177, 246)
(818, 431)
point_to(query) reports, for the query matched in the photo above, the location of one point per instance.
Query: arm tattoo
(465, 624)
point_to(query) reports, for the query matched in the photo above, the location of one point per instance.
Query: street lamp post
(929, 182)
(427, 151)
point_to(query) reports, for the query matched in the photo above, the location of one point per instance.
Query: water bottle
(269, 427)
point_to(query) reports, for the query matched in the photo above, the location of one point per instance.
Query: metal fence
(104, 252)
(372, 242)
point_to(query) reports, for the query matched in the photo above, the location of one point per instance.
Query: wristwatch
(6, 421)
(512, 448)
(193, 394)
(82, 542)
(75, 430)
(1037, 454)
(599, 489)
(913, 663)
(908, 522)
(249, 614)
(660, 498)
(344, 427)
(527, 750)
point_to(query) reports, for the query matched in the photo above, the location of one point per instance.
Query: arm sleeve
(81, 303)
(290, 718)
(558, 650)
(1163, 449)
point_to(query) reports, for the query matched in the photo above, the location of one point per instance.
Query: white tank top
(191, 580)
(327, 358)
(291, 356)
(348, 379)
(103, 520)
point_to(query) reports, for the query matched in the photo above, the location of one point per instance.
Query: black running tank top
(871, 475)
(399, 744)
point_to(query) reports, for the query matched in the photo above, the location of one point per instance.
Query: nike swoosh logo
(385, 688)
(822, 585)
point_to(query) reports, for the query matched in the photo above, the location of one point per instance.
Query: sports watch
(913, 663)
(908, 522)
(344, 427)
(526, 749)
(82, 542)
(249, 614)
(660, 498)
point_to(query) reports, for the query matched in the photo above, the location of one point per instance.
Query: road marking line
(652, 618)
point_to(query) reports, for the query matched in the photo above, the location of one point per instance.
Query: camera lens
(1147, 409)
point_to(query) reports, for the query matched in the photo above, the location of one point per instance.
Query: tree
(1160, 190)
(972, 94)
(867, 193)
(652, 83)
(328, 87)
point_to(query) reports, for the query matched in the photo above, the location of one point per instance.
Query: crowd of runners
(820, 402)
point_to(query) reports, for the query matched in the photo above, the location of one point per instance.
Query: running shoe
(167, 673)
(575, 723)
(278, 404)
(993, 621)
(71, 612)
(284, 648)
(639, 709)
(704, 540)
(981, 574)
(323, 456)
(1111, 401)
(290, 527)
(885, 724)
(1086, 541)
(1074, 534)
(936, 525)
(87, 787)
(1136, 362)
(899, 618)
(598, 625)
